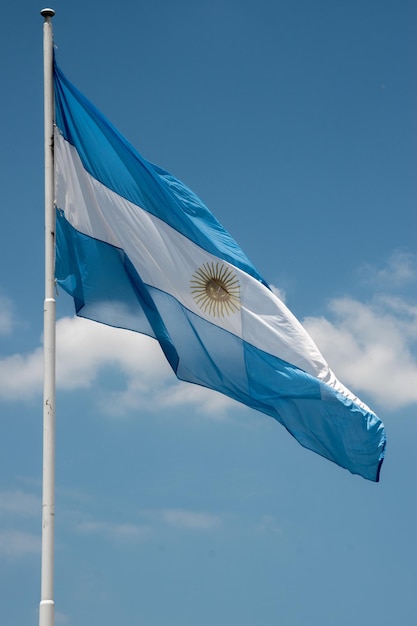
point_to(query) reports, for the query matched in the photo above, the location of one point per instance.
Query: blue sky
(295, 122)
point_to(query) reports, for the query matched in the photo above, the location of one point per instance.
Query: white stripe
(167, 260)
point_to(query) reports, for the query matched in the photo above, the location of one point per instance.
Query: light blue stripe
(200, 352)
(109, 158)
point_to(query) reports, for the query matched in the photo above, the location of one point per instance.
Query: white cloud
(15, 505)
(280, 293)
(124, 531)
(206, 400)
(191, 520)
(371, 347)
(128, 532)
(399, 271)
(19, 503)
(21, 375)
(85, 348)
(16, 543)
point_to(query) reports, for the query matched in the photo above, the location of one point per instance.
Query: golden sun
(216, 290)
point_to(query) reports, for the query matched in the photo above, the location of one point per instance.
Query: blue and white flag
(138, 250)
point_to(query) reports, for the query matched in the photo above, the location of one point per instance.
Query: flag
(137, 249)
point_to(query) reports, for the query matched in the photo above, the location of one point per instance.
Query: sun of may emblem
(216, 290)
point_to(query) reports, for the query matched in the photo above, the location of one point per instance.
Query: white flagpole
(46, 607)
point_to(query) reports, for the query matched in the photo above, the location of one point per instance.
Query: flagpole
(46, 607)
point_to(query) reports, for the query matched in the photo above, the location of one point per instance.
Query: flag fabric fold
(137, 249)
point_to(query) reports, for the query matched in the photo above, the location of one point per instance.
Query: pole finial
(47, 13)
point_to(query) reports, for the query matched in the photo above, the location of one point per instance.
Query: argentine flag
(137, 249)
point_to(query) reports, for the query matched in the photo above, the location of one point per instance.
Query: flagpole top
(47, 13)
